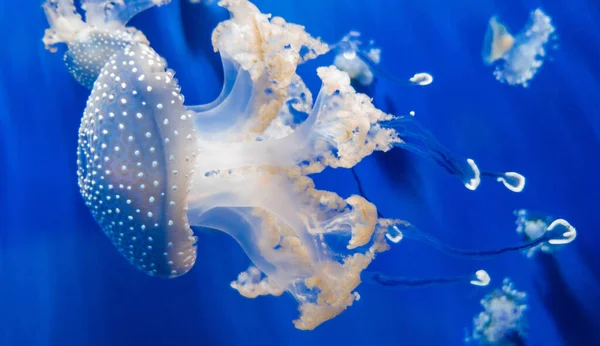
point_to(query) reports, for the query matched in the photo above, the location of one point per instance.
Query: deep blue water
(63, 283)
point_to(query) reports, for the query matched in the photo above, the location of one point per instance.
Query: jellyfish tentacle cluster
(151, 167)
(503, 321)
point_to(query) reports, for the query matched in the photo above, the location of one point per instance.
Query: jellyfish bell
(498, 41)
(92, 42)
(503, 320)
(136, 162)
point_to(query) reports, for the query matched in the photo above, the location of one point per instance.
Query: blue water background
(63, 283)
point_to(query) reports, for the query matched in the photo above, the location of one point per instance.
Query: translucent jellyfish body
(503, 320)
(150, 167)
(517, 58)
(532, 225)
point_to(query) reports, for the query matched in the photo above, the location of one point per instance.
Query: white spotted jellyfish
(151, 167)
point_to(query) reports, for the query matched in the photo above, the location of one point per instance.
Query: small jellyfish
(517, 58)
(531, 225)
(503, 320)
(498, 41)
(361, 63)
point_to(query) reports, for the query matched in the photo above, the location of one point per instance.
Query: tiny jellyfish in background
(502, 321)
(361, 63)
(150, 167)
(517, 59)
(358, 64)
(532, 225)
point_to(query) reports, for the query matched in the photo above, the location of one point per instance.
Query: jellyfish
(151, 167)
(531, 225)
(362, 63)
(503, 321)
(518, 58)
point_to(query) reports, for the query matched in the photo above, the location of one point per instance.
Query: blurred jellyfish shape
(518, 58)
(151, 167)
(357, 62)
(503, 320)
(361, 63)
(92, 42)
(532, 225)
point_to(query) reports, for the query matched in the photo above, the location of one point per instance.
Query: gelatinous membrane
(150, 166)
(518, 58)
(503, 320)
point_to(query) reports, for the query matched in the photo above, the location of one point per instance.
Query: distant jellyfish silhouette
(150, 167)
(532, 225)
(503, 320)
(518, 58)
